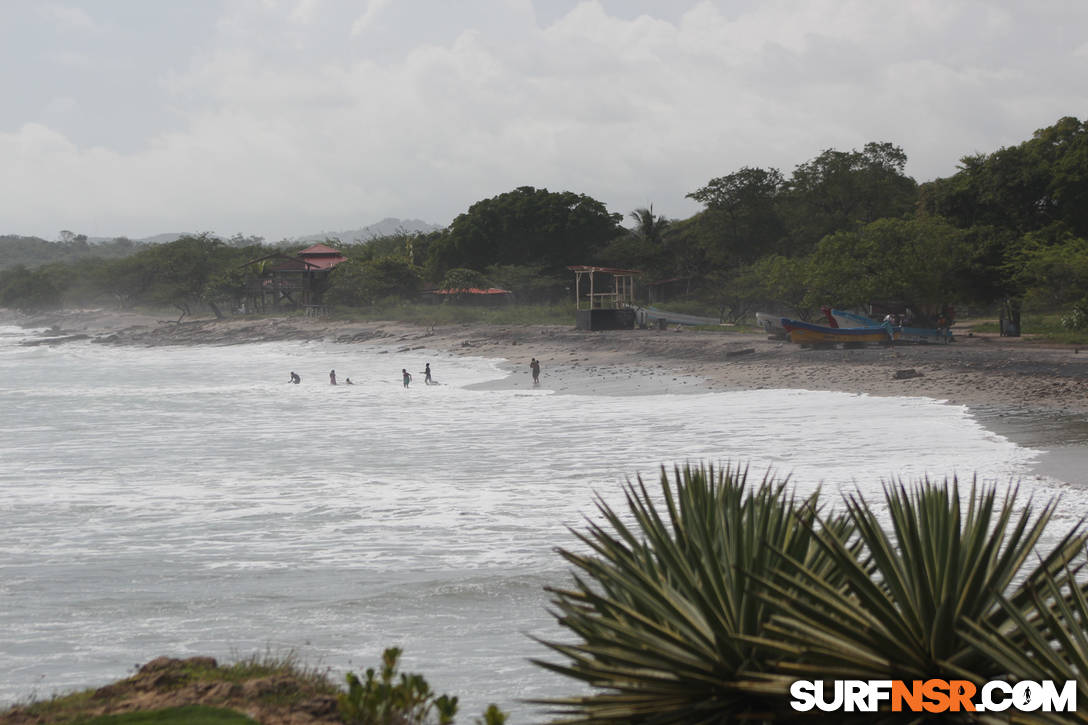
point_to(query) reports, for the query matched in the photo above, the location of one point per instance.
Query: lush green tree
(32, 289)
(526, 226)
(1022, 188)
(686, 243)
(31, 252)
(918, 260)
(743, 216)
(633, 252)
(358, 283)
(784, 281)
(463, 279)
(1052, 273)
(181, 270)
(842, 190)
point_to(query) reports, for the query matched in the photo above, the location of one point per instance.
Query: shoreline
(1034, 394)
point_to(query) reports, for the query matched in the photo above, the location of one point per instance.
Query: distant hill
(385, 227)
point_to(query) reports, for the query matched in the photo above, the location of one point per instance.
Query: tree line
(844, 228)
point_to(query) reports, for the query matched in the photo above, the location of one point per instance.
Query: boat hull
(906, 333)
(804, 333)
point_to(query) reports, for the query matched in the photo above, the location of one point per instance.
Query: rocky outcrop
(165, 682)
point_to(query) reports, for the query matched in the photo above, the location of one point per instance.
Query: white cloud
(66, 15)
(364, 21)
(305, 10)
(284, 126)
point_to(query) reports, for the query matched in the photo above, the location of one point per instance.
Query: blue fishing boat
(806, 333)
(907, 333)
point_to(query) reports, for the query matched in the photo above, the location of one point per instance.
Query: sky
(280, 118)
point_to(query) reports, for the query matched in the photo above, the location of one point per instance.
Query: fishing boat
(806, 333)
(772, 325)
(907, 333)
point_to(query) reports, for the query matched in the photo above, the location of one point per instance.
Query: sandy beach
(976, 370)
(1034, 393)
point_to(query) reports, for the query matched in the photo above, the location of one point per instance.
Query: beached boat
(771, 324)
(806, 333)
(907, 333)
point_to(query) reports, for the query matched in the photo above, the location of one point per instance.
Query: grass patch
(187, 715)
(268, 664)
(307, 682)
(1044, 326)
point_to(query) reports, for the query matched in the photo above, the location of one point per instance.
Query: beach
(979, 370)
(1034, 393)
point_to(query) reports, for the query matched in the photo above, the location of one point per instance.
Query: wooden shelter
(604, 298)
(298, 281)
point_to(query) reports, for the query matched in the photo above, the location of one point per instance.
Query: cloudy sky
(288, 117)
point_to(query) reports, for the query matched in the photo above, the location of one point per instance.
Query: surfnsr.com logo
(932, 696)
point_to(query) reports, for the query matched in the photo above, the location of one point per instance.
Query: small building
(321, 257)
(604, 298)
(298, 281)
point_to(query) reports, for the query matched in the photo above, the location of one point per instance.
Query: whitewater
(188, 501)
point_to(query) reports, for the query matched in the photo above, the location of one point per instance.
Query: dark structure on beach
(604, 298)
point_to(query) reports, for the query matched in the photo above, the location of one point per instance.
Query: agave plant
(667, 611)
(1052, 642)
(920, 599)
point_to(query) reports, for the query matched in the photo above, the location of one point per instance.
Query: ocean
(189, 501)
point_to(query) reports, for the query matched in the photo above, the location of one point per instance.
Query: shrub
(712, 603)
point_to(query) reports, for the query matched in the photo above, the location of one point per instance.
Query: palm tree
(649, 227)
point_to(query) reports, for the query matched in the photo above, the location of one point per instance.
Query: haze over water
(189, 501)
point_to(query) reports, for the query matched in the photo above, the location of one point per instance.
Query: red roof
(322, 256)
(472, 291)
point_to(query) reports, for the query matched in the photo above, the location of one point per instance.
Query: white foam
(190, 499)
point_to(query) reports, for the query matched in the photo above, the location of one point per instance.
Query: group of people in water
(406, 377)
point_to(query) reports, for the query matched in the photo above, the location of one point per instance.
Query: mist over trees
(843, 228)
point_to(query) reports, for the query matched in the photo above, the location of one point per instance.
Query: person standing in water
(534, 366)
(332, 377)
(427, 373)
(407, 376)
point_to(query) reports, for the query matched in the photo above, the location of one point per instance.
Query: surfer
(407, 376)
(332, 377)
(295, 378)
(534, 366)
(347, 381)
(427, 372)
